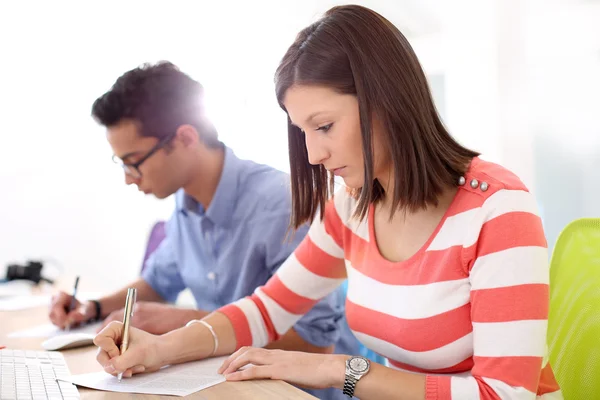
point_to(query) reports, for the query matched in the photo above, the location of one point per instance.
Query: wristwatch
(356, 368)
(98, 308)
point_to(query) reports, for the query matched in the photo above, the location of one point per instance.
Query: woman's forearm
(196, 342)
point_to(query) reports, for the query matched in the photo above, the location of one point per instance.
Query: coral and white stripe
(258, 331)
(469, 310)
(306, 283)
(380, 297)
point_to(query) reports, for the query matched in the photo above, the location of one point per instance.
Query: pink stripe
(401, 332)
(318, 261)
(271, 331)
(238, 319)
(286, 298)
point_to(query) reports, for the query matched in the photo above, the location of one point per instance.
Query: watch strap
(98, 314)
(349, 385)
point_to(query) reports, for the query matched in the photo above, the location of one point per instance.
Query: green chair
(574, 319)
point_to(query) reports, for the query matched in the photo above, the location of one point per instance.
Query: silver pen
(129, 303)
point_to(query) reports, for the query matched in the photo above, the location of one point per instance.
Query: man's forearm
(116, 301)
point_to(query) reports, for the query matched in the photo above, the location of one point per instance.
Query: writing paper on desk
(16, 288)
(23, 302)
(175, 380)
(49, 330)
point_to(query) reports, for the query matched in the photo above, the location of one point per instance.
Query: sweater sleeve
(507, 264)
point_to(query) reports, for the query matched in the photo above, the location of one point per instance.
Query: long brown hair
(354, 50)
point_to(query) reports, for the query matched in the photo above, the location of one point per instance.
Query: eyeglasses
(133, 169)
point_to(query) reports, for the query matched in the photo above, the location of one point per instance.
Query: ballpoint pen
(73, 302)
(129, 303)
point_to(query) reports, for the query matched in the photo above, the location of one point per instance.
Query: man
(227, 234)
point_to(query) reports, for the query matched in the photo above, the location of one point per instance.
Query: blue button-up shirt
(223, 253)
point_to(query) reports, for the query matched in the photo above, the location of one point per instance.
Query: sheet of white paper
(15, 303)
(49, 330)
(175, 380)
(16, 288)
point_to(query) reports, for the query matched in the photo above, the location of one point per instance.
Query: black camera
(31, 272)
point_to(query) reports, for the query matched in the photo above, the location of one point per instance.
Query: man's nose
(130, 180)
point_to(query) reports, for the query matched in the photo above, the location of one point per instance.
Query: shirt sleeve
(320, 326)
(507, 264)
(162, 271)
(311, 273)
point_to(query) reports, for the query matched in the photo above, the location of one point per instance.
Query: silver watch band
(349, 385)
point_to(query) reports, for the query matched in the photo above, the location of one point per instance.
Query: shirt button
(211, 276)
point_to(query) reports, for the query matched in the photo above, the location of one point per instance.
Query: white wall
(522, 86)
(518, 81)
(564, 104)
(61, 195)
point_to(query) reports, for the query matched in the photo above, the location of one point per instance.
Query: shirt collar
(221, 208)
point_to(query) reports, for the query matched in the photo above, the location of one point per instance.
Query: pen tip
(120, 376)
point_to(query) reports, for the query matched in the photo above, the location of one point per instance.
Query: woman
(444, 254)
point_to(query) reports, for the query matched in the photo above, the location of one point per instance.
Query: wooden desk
(83, 360)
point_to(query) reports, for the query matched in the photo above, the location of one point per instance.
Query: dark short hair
(160, 98)
(355, 50)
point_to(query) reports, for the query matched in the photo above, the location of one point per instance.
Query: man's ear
(187, 135)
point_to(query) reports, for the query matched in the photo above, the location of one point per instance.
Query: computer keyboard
(32, 375)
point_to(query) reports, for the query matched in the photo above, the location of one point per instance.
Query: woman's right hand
(142, 355)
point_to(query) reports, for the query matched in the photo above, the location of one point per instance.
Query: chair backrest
(157, 234)
(574, 319)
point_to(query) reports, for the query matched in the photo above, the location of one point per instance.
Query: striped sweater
(469, 309)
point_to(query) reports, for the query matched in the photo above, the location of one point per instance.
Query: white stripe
(505, 391)
(500, 203)
(442, 357)
(468, 389)
(511, 267)
(464, 388)
(510, 339)
(281, 319)
(323, 240)
(256, 323)
(304, 282)
(409, 301)
(506, 201)
(453, 231)
(552, 396)
(345, 206)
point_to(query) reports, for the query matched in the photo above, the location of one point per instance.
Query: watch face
(359, 364)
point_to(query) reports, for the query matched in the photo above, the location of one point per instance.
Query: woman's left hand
(308, 370)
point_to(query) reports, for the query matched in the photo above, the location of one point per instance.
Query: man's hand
(59, 306)
(156, 318)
